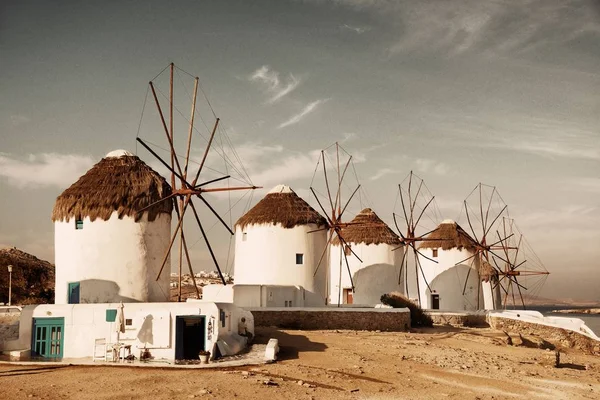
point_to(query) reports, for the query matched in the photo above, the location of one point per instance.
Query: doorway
(48, 337)
(348, 296)
(73, 293)
(190, 331)
(435, 301)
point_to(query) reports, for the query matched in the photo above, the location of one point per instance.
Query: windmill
(499, 247)
(338, 160)
(420, 216)
(186, 184)
(524, 274)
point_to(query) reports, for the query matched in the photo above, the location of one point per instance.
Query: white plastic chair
(103, 351)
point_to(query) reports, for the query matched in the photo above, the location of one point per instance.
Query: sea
(591, 320)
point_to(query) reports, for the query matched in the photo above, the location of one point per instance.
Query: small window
(111, 315)
(299, 258)
(244, 236)
(222, 317)
(128, 322)
(435, 252)
(78, 224)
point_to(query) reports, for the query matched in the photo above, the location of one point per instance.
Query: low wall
(472, 319)
(560, 337)
(383, 319)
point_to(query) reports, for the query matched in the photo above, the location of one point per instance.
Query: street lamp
(10, 267)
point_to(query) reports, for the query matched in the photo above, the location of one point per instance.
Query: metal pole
(10, 267)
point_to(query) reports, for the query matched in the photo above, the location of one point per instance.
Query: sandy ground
(431, 364)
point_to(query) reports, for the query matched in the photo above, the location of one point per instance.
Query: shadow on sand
(290, 345)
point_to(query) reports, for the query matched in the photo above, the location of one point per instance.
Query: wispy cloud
(274, 86)
(43, 170)
(356, 29)
(496, 28)
(587, 184)
(18, 119)
(310, 107)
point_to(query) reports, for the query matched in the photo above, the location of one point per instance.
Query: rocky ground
(442, 362)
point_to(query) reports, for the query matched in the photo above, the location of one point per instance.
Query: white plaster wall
(153, 325)
(491, 296)
(380, 269)
(114, 260)
(267, 256)
(450, 286)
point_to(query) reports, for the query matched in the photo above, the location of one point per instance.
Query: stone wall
(561, 338)
(383, 319)
(470, 319)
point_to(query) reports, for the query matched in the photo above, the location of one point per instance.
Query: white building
(378, 273)
(278, 244)
(459, 281)
(105, 250)
(166, 331)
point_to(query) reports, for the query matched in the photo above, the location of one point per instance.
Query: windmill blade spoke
(212, 181)
(163, 162)
(423, 211)
(404, 207)
(324, 252)
(155, 203)
(169, 138)
(215, 213)
(401, 267)
(318, 230)
(423, 255)
(397, 227)
(348, 202)
(469, 221)
(168, 253)
(497, 216)
(210, 140)
(320, 205)
(467, 259)
(349, 247)
(189, 262)
(348, 268)
(327, 182)
(337, 196)
(212, 254)
(422, 272)
(501, 240)
(191, 130)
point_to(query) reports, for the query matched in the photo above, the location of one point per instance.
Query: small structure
(107, 251)
(453, 283)
(278, 244)
(159, 331)
(379, 272)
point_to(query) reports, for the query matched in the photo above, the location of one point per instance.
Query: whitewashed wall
(114, 260)
(447, 279)
(266, 255)
(376, 275)
(153, 325)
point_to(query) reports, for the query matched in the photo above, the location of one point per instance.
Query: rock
(300, 383)
(191, 396)
(269, 382)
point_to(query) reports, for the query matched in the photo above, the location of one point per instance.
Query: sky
(460, 92)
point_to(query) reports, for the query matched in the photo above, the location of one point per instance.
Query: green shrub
(418, 318)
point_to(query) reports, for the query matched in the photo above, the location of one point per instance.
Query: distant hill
(32, 278)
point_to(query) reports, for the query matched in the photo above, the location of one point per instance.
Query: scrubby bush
(418, 318)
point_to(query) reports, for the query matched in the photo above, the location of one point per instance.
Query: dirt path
(433, 364)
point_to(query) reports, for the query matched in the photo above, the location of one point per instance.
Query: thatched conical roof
(448, 235)
(368, 228)
(119, 182)
(281, 206)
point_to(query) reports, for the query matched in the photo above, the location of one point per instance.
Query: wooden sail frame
(183, 191)
(502, 253)
(334, 216)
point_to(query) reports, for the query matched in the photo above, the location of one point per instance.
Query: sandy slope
(436, 363)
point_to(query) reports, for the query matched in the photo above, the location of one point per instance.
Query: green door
(48, 335)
